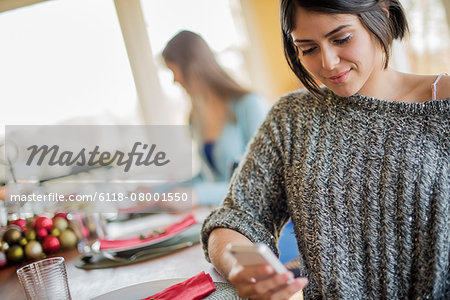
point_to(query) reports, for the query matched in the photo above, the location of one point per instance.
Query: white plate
(139, 291)
(146, 289)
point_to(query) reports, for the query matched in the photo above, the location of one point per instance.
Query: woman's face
(177, 73)
(338, 50)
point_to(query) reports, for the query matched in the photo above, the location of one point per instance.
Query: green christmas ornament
(15, 253)
(30, 234)
(55, 232)
(23, 241)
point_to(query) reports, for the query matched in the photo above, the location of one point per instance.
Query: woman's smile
(340, 77)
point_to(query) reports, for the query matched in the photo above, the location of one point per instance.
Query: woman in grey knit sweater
(361, 166)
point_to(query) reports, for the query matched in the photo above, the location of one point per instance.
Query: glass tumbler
(45, 279)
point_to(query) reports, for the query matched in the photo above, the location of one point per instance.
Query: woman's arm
(256, 203)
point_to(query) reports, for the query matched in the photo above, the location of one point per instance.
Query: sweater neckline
(388, 106)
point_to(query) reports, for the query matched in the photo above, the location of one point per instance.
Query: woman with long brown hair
(224, 115)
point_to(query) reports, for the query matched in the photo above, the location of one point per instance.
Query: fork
(145, 252)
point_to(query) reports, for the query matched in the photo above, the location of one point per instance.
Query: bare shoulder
(443, 87)
(420, 86)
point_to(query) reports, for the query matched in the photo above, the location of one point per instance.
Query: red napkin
(169, 231)
(194, 288)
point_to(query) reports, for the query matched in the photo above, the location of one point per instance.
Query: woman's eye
(344, 40)
(307, 51)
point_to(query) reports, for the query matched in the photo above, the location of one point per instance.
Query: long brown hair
(192, 55)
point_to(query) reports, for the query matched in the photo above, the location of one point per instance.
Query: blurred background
(98, 61)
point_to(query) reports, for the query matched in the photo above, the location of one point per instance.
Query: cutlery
(145, 252)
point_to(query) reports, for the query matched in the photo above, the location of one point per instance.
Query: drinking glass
(45, 279)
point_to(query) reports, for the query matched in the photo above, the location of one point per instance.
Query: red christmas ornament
(41, 233)
(43, 222)
(62, 215)
(19, 222)
(50, 244)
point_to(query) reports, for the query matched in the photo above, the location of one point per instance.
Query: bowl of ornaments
(25, 240)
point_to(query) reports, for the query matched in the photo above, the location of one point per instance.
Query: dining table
(88, 284)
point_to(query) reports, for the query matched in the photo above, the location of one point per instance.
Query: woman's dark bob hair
(385, 19)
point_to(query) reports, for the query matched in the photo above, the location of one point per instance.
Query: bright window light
(64, 61)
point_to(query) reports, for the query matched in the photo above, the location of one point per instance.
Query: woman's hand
(255, 282)
(261, 282)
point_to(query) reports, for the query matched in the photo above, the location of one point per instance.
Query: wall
(267, 64)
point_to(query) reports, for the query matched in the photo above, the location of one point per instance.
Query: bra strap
(433, 85)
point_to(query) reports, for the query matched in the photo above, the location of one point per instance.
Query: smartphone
(256, 254)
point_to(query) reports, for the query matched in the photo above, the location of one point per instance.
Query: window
(61, 60)
(428, 44)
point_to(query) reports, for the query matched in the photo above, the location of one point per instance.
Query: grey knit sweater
(367, 185)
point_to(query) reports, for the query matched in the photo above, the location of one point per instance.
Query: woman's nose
(330, 59)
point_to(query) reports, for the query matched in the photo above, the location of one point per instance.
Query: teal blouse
(211, 185)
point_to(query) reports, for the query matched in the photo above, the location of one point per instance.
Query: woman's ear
(385, 4)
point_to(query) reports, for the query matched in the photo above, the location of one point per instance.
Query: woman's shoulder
(428, 87)
(300, 94)
(251, 104)
(289, 99)
(297, 106)
(300, 99)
